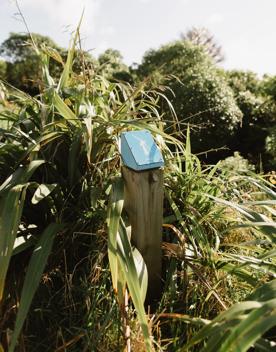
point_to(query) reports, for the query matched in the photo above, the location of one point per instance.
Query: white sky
(246, 29)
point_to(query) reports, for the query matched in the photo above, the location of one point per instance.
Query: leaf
(121, 259)
(264, 293)
(64, 79)
(267, 227)
(142, 272)
(128, 266)
(114, 214)
(188, 154)
(87, 134)
(249, 330)
(23, 246)
(21, 175)
(42, 192)
(239, 272)
(73, 160)
(11, 207)
(64, 110)
(33, 276)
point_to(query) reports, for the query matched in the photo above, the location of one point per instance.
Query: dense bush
(62, 232)
(200, 94)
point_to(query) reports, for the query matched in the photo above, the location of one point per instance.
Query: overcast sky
(246, 29)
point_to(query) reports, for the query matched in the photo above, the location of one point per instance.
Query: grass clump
(61, 196)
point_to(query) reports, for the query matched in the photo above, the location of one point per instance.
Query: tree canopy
(201, 94)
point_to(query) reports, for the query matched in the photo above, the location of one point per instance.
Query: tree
(200, 95)
(269, 89)
(257, 107)
(112, 65)
(202, 37)
(23, 66)
(3, 68)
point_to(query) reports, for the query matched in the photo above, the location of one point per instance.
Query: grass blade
(11, 207)
(129, 268)
(33, 276)
(64, 110)
(21, 175)
(113, 219)
(42, 192)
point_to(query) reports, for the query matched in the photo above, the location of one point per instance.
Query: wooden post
(144, 206)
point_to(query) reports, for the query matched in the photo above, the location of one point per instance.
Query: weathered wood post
(143, 177)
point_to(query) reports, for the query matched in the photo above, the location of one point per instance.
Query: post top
(139, 151)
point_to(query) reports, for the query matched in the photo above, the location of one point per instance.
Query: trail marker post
(143, 177)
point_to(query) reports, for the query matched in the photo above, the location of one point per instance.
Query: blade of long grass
(11, 207)
(269, 230)
(21, 175)
(67, 70)
(265, 292)
(42, 191)
(229, 314)
(264, 345)
(142, 272)
(119, 248)
(64, 110)
(268, 191)
(114, 214)
(33, 276)
(188, 154)
(242, 336)
(129, 268)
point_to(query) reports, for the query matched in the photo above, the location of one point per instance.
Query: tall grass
(62, 197)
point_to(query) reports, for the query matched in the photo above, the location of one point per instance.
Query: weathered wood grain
(144, 205)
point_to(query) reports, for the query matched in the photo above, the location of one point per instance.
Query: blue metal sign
(139, 151)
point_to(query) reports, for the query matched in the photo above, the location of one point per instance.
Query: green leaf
(135, 289)
(267, 227)
(265, 292)
(239, 272)
(21, 175)
(249, 330)
(188, 154)
(64, 110)
(42, 192)
(11, 207)
(67, 70)
(33, 276)
(121, 259)
(142, 272)
(114, 214)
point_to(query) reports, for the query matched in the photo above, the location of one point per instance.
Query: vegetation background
(66, 262)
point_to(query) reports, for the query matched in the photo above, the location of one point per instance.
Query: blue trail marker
(139, 151)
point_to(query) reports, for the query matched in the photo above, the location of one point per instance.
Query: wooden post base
(144, 205)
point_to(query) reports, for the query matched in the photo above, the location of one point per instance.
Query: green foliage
(3, 69)
(23, 65)
(242, 325)
(33, 277)
(257, 116)
(72, 129)
(59, 164)
(112, 66)
(237, 164)
(200, 95)
(122, 263)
